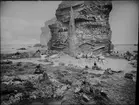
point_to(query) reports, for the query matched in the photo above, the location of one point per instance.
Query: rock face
(46, 35)
(87, 21)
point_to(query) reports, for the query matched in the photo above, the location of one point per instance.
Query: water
(125, 47)
(12, 48)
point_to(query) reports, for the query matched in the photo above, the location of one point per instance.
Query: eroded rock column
(92, 29)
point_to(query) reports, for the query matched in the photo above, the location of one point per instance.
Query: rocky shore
(70, 84)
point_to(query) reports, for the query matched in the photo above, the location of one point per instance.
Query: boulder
(38, 70)
(129, 76)
(60, 91)
(95, 67)
(6, 62)
(108, 71)
(85, 98)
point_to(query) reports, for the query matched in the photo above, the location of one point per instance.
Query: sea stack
(82, 26)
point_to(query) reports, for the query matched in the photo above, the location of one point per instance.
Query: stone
(29, 77)
(86, 67)
(77, 89)
(103, 93)
(133, 62)
(54, 56)
(19, 64)
(134, 79)
(94, 82)
(95, 67)
(85, 98)
(60, 91)
(38, 70)
(119, 71)
(69, 98)
(44, 57)
(91, 28)
(108, 71)
(7, 78)
(44, 78)
(61, 64)
(129, 76)
(77, 83)
(6, 62)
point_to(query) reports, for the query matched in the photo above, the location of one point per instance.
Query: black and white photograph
(69, 52)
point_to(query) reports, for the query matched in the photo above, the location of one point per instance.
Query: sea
(12, 48)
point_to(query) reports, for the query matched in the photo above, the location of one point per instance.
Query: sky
(124, 22)
(21, 21)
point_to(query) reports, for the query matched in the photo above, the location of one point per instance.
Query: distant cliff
(46, 35)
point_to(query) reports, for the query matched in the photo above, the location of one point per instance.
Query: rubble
(38, 70)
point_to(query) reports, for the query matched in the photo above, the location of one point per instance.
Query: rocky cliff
(46, 35)
(91, 23)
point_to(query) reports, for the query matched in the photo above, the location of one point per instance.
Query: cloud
(6, 37)
(13, 24)
(124, 22)
(16, 30)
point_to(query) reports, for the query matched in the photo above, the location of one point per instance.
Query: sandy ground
(115, 64)
(119, 89)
